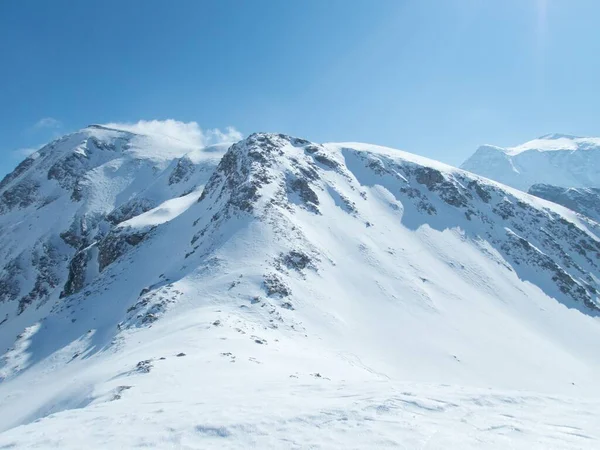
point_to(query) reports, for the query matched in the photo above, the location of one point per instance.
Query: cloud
(187, 132)
(24, 152)
(47, 122)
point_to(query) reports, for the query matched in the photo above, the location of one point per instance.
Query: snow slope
(560, 160)
(320, 296)
(70, 194)
(585, 201)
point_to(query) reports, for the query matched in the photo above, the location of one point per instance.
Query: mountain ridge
(555, 159)
(311, 268)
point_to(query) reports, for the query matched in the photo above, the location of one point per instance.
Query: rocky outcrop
(20, 195)
(130, 209)
(116, 244)
(19, 170)
(46, 263)
(77, 271)
(585, 201)
(527, 236)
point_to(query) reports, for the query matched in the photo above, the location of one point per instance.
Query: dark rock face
(301, 187)
(326, 161)
(9, 284)
(182, 171)
(233, 177)
(144, 366)
(46, 261)
(19, 170)
(480, 191)
(78, 191)
(243, 171)
(275, 286)
(296, 260)
(77, 236)
(451, 193)
(429, 177)
(20, 195)
(130, 209)
(585, 201)
(524, 253)
(66, 171)
(77, 269)
(116, 244)
(283, 162)
(536, 241)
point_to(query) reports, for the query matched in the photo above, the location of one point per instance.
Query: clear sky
(434, 77)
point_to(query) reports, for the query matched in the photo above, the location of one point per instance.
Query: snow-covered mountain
(288, 294)
(585, 201)
(555, 159)
(64, 205)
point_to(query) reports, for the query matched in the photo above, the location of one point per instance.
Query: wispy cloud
(188, 132)
(23, 152)
(47, 122)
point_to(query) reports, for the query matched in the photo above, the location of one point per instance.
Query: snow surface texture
(560, 160)
(313, 296)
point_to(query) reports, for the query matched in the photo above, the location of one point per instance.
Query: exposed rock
(144, 366)
(585, 201)
(19, 170)
(116, 244)
(480, 190)
(130, 209)
(45, 260)
(20, 195)
(77, 269)
(274, 285)
(295, 260)
(301, 187)
(182, 171)
(9, 284)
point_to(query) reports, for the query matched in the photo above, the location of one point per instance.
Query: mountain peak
(557, 159)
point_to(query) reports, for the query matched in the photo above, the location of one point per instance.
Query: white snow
(559, 160)
(165, 212)
(411, 330)
(555, 142)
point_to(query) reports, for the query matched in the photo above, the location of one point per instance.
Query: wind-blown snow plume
(189, 132)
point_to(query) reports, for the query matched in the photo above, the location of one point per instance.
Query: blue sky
(433, 77)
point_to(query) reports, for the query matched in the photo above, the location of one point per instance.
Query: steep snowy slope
(321, 296)
(585, 201)
(560, 160)
(59, 207)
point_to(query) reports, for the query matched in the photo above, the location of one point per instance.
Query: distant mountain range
(555, 159)
(561, 168)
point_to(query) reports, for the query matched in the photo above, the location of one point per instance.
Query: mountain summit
(555, 159)
(284, 293)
